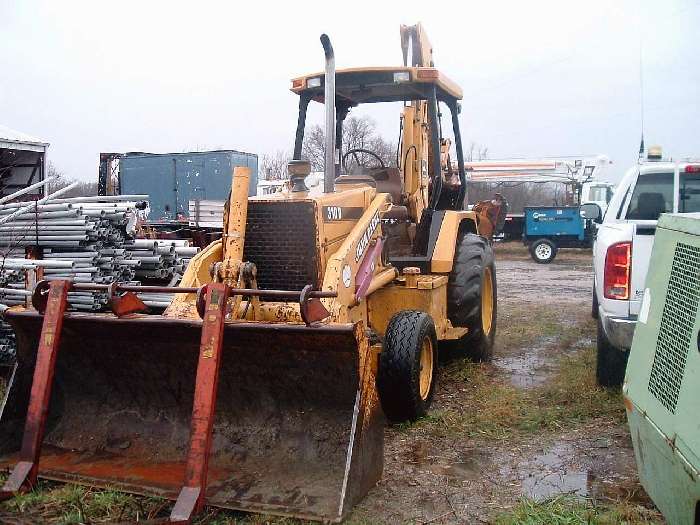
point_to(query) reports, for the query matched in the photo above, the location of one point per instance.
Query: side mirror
(591, 211)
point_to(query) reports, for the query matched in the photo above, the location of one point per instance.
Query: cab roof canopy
(379, 84)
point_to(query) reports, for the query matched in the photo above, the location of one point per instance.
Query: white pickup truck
(622, 250)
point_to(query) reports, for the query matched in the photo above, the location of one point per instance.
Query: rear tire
(594, 304)
(408, 366)
(472, 297)
(543, 251)
(611, 362)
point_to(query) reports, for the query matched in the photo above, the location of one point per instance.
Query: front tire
(611, 362)
(543, 251)
(472, 297)
(408, 366)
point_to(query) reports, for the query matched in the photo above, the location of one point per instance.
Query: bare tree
(83, 189)
(358, 133)
(273, 166)
(519, 194)
(476, 152)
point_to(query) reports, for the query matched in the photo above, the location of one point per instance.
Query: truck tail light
(692, 168)
(618, 261)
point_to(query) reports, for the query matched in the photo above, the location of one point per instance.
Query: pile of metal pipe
(7, 344)
(161, 260)
(88, 240)
(81, 238)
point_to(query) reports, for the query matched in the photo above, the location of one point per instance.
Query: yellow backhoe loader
(265, 384)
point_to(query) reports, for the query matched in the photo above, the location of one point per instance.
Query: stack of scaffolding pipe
(12, 285)
(86, 239)
(163, 260)
(32, 207)
(13, 272)
(13, 277)
(7, 344)
(85, 235)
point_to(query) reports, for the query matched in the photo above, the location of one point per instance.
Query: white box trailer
(22, 162)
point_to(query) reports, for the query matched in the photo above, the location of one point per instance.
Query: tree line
(362, 133)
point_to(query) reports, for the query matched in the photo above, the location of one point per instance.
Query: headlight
(313, 82)
(402, 76)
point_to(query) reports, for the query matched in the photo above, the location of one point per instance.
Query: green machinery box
(662, 383)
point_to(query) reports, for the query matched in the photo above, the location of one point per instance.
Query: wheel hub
(543, 251)
(487, 302)
(426, 368)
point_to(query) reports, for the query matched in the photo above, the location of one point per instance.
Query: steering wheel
(354, 153)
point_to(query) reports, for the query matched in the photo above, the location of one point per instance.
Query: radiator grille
(676, 330)
(280, 239)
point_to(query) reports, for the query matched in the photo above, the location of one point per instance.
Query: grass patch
(67, 504)
(495, 409)
(221, 517)
(573, 394)
(566, 510)
(526, 324)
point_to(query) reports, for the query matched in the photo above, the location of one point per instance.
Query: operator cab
(390, 84)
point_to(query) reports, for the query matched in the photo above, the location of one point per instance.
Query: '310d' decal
(339, 213)
(366, 236)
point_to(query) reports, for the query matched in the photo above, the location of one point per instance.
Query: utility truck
(545, 229)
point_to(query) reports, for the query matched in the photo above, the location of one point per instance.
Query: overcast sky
(540, 78)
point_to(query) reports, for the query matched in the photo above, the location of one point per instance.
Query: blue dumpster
(173, 179)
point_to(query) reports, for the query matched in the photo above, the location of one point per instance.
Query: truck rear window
(653, 195)
(690, 193)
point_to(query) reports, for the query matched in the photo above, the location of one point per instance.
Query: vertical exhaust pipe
(329, 99)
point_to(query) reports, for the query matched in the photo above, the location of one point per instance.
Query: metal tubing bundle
(87, 240)
(160, 260)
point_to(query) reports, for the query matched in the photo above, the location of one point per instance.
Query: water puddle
(545, 475)
(470, 469)
(551, 474)
(525, 371)
(469, 465)
(571, 483)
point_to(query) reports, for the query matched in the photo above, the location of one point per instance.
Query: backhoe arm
(415, 143)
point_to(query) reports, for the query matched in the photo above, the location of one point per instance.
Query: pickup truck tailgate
(642, 243)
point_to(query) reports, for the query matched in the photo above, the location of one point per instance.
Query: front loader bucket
(298, 429)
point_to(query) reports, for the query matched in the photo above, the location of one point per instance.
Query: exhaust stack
(329, 99)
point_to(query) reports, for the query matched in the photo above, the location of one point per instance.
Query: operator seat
(650, 206)
(386, 180)
(389, 181)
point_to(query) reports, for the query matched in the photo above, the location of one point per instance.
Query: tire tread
(398, 380)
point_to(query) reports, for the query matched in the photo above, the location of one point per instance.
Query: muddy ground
(459, 467)
(528, 437)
